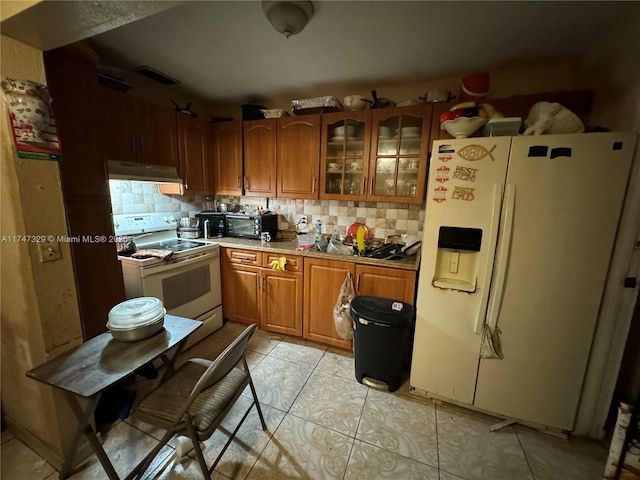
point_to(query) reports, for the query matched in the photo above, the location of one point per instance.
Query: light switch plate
(49, 251)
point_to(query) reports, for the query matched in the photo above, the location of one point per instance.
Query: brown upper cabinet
(399, 158)
(344, 159)
(226, 152)
(137, 131)
(259, 140)
(377, 155)
(193, 148)
(298, 156)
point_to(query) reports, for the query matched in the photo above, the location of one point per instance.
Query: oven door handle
(164, 267)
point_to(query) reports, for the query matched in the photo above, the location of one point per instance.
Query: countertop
(290, 247)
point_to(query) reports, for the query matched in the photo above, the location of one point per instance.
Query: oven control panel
(136, 223)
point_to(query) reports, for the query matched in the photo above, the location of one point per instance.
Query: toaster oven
(251, 225)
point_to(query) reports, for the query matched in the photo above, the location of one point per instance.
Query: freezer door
(567, 198)
(466, 180)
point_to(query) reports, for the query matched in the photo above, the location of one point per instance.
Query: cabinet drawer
(294, 262)
(244, 257)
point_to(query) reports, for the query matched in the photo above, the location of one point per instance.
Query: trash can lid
(385, 312)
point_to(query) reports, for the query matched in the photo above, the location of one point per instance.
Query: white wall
(612, 69)
(39, 308)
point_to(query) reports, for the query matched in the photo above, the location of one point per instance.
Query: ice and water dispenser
(457, 259)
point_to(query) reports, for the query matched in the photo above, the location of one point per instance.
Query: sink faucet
(206, 229)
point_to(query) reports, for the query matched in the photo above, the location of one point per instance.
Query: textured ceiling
(52, 24)
(228, 50)
(225, 51)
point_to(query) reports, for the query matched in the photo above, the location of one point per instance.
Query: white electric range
(187, 282)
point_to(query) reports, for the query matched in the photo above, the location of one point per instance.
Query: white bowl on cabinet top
(355, 102)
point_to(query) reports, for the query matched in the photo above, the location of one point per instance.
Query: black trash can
(382, 340)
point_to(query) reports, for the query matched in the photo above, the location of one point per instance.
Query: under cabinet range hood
(142, 172)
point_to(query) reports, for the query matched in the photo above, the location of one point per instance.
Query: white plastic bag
(341, 315)
(491, 346)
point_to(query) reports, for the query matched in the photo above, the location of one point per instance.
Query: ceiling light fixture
(288, 18)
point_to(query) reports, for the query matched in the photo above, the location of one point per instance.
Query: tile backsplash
(382, 218)
(143, 197)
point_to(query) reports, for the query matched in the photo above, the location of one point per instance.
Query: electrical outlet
(49, 251)
(303, 219)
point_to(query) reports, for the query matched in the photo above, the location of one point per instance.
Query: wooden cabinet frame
(345, 183)
(259, 157)
(298, 157)
(397, 158)
(365, 149)
(253, 292)
(193, 148)
(323, 280)
(137, 131)
(226, 153)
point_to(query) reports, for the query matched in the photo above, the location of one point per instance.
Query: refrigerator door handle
(502, 257)
(486, 281)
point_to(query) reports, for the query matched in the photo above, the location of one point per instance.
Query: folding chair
(195, 400)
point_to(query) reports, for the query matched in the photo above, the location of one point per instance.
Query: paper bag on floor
(630, 458)
(341, 314)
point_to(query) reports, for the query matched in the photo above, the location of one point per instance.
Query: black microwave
(251, 225)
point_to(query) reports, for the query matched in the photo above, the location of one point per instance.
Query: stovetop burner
(157, 231)
(175, 245)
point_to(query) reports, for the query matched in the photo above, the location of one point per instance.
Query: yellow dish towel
(279, 264)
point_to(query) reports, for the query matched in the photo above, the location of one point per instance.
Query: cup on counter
(265, 237)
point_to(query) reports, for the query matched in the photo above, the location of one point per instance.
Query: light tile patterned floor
(323, 424)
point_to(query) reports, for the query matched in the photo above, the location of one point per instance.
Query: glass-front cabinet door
(345, 155)
(399, 154)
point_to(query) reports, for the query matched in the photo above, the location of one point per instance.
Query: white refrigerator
(518, 238)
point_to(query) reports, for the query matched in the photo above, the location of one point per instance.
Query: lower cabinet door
(240, 294)
(281, 302)
(322, 282)
(386, 282)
